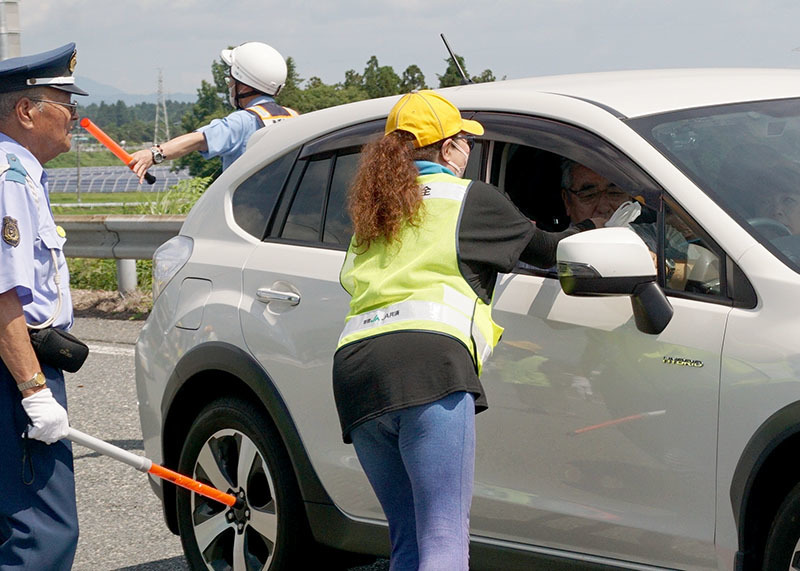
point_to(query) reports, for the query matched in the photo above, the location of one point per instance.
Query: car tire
(782, 551)
(229, 441)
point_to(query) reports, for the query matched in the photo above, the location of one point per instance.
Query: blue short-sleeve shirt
(227, 137)
(29, 238)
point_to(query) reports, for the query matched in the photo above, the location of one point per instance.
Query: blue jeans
(421, 463)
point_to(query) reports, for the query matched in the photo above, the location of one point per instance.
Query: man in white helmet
(256, 75)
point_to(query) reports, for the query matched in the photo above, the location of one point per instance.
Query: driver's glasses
(591, 193)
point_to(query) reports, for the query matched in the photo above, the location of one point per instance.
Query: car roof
(646, 92)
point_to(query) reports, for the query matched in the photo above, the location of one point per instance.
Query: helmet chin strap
(237, 95)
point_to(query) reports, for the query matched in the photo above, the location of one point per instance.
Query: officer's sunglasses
(72, 106)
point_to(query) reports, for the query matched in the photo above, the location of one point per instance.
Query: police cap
(48, 69)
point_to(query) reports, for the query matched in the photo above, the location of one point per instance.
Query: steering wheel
(772, 228)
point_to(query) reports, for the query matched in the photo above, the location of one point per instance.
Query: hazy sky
(124, 43)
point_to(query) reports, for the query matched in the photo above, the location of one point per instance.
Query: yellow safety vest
(415, 284)
(271, 112)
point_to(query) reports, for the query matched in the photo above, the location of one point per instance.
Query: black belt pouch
(58, 348)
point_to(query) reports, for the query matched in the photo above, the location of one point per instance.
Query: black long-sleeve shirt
(408, 368)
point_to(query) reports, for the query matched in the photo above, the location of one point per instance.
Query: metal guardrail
(116, 236)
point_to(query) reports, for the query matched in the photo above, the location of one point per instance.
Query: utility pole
(161, 130)
(10, 44)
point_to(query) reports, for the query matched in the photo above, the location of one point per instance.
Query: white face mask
(232, 95)
(459, 170)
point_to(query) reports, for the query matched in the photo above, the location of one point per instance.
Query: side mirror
(614, 261)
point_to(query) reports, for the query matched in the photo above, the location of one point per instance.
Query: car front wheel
(231, 447)
(783, 543)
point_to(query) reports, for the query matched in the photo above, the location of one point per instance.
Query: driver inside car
(587, 193)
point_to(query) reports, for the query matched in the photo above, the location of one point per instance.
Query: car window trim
(354, 136)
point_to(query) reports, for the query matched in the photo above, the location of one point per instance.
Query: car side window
(525, 157)
(690, 262)
(304, 219)
(254, 200)
(338, 227)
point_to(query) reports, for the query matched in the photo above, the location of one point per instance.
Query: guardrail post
(126, 276)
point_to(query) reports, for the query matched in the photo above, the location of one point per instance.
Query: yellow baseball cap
(429, 117)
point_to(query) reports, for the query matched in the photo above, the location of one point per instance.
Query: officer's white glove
(49, 419)
(625, 214)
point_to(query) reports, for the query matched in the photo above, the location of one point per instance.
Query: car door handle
(267, 295)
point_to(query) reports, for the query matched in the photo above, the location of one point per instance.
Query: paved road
(121, 521)
(120, 518)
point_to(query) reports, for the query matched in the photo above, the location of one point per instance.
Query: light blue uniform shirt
(27, 220)
(227, 137)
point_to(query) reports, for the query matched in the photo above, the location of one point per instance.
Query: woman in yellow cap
(421, 270)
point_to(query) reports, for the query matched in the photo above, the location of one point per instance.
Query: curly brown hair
(384, 195)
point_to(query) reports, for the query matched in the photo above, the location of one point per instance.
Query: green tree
(291, 94)
(209, 106)
(353, 79)
(212, 103)
(413, 78)
(318, 95)
(380, 81)
(451, 75)
(485, 77)
(219, 71)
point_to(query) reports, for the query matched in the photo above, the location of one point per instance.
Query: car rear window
(255, 199)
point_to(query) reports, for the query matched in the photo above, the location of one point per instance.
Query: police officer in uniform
(38, 517)
(257, 74)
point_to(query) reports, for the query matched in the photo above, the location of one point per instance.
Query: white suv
(648, 420)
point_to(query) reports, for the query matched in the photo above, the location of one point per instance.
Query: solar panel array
(111, 179)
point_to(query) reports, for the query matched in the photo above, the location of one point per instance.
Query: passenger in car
(421, 270)
(779, 200)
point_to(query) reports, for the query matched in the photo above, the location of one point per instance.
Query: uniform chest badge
(10, 231)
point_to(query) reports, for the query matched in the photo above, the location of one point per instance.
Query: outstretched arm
(172, 149)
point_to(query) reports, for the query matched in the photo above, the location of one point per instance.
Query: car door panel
(592, 439)
(295, 345)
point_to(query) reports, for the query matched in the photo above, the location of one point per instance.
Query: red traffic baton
(146, 465)
(112, 146)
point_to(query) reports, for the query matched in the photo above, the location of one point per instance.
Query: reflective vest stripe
(443, 190)
(274, 113)
(406, 311)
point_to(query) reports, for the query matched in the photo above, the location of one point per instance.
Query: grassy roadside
(66, 204)
(101, 274)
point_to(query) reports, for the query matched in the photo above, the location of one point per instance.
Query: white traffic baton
(146, 465)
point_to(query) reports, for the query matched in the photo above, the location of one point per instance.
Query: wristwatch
(36, 380)
(158, 154)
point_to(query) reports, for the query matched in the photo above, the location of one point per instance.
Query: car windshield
(744, 156)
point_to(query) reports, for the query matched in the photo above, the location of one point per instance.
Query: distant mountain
(101, 92)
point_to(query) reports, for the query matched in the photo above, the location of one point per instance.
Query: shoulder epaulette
(16, 172)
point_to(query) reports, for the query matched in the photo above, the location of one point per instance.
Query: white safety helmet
(257, 65)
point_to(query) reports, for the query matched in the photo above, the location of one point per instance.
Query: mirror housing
(614, 261)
